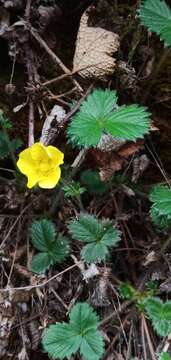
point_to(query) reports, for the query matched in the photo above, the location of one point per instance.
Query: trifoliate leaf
(53, 250)
(63, 340)
(160, 314)
(99, 236)
(99, 114)
(155, 15)
(161, 197)
(128, 122)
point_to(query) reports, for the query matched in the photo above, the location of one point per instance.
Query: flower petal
(38, 152)
(25, 162)
(55, 154)
(32, 180)
(50, 181)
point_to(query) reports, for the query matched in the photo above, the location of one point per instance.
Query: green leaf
(60, 341)
(99, 114)
(164, 356)
(86, 228)
(160, 221)
(82, 317)
(4, 147)
(43, 232)
(40, 262)
(128, 122)
(91, 179)
(7, 146)
(4, 122)
(160, 314)
(59, 249)
(54, 250)
(94, 252)
(155, 15)
(165, 35)
(91, 347)
(127, 291)
(100, 235)
(74, 189)
(161, 198)
(63, 340)
(100, 103)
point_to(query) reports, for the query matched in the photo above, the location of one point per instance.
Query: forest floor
(39, 68)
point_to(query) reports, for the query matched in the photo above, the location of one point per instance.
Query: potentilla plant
(99, 114)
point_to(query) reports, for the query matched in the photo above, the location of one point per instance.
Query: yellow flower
(41, 165)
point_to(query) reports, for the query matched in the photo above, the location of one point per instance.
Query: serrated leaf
(161, 197)
(100, 235)
(87, 125)
(128, 122)
(43, 232)
(165, 35)
(164, 356)
(155, 15)
(94, 252)
(160, 221)
(86, 228)
(154, 307)
(40, 262)
(92, 346)
(63, 340)
(167, 310)
(84, 317)
(74, 189)
(160, 314)
(60, 341)
(100, 103)
(99, 114)
(59, 249)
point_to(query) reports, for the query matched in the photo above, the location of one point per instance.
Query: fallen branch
(53, 56)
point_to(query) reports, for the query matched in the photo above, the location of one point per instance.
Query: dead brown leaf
(112, 161)
(94, 49)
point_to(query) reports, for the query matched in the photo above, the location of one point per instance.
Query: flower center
(45, 167)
